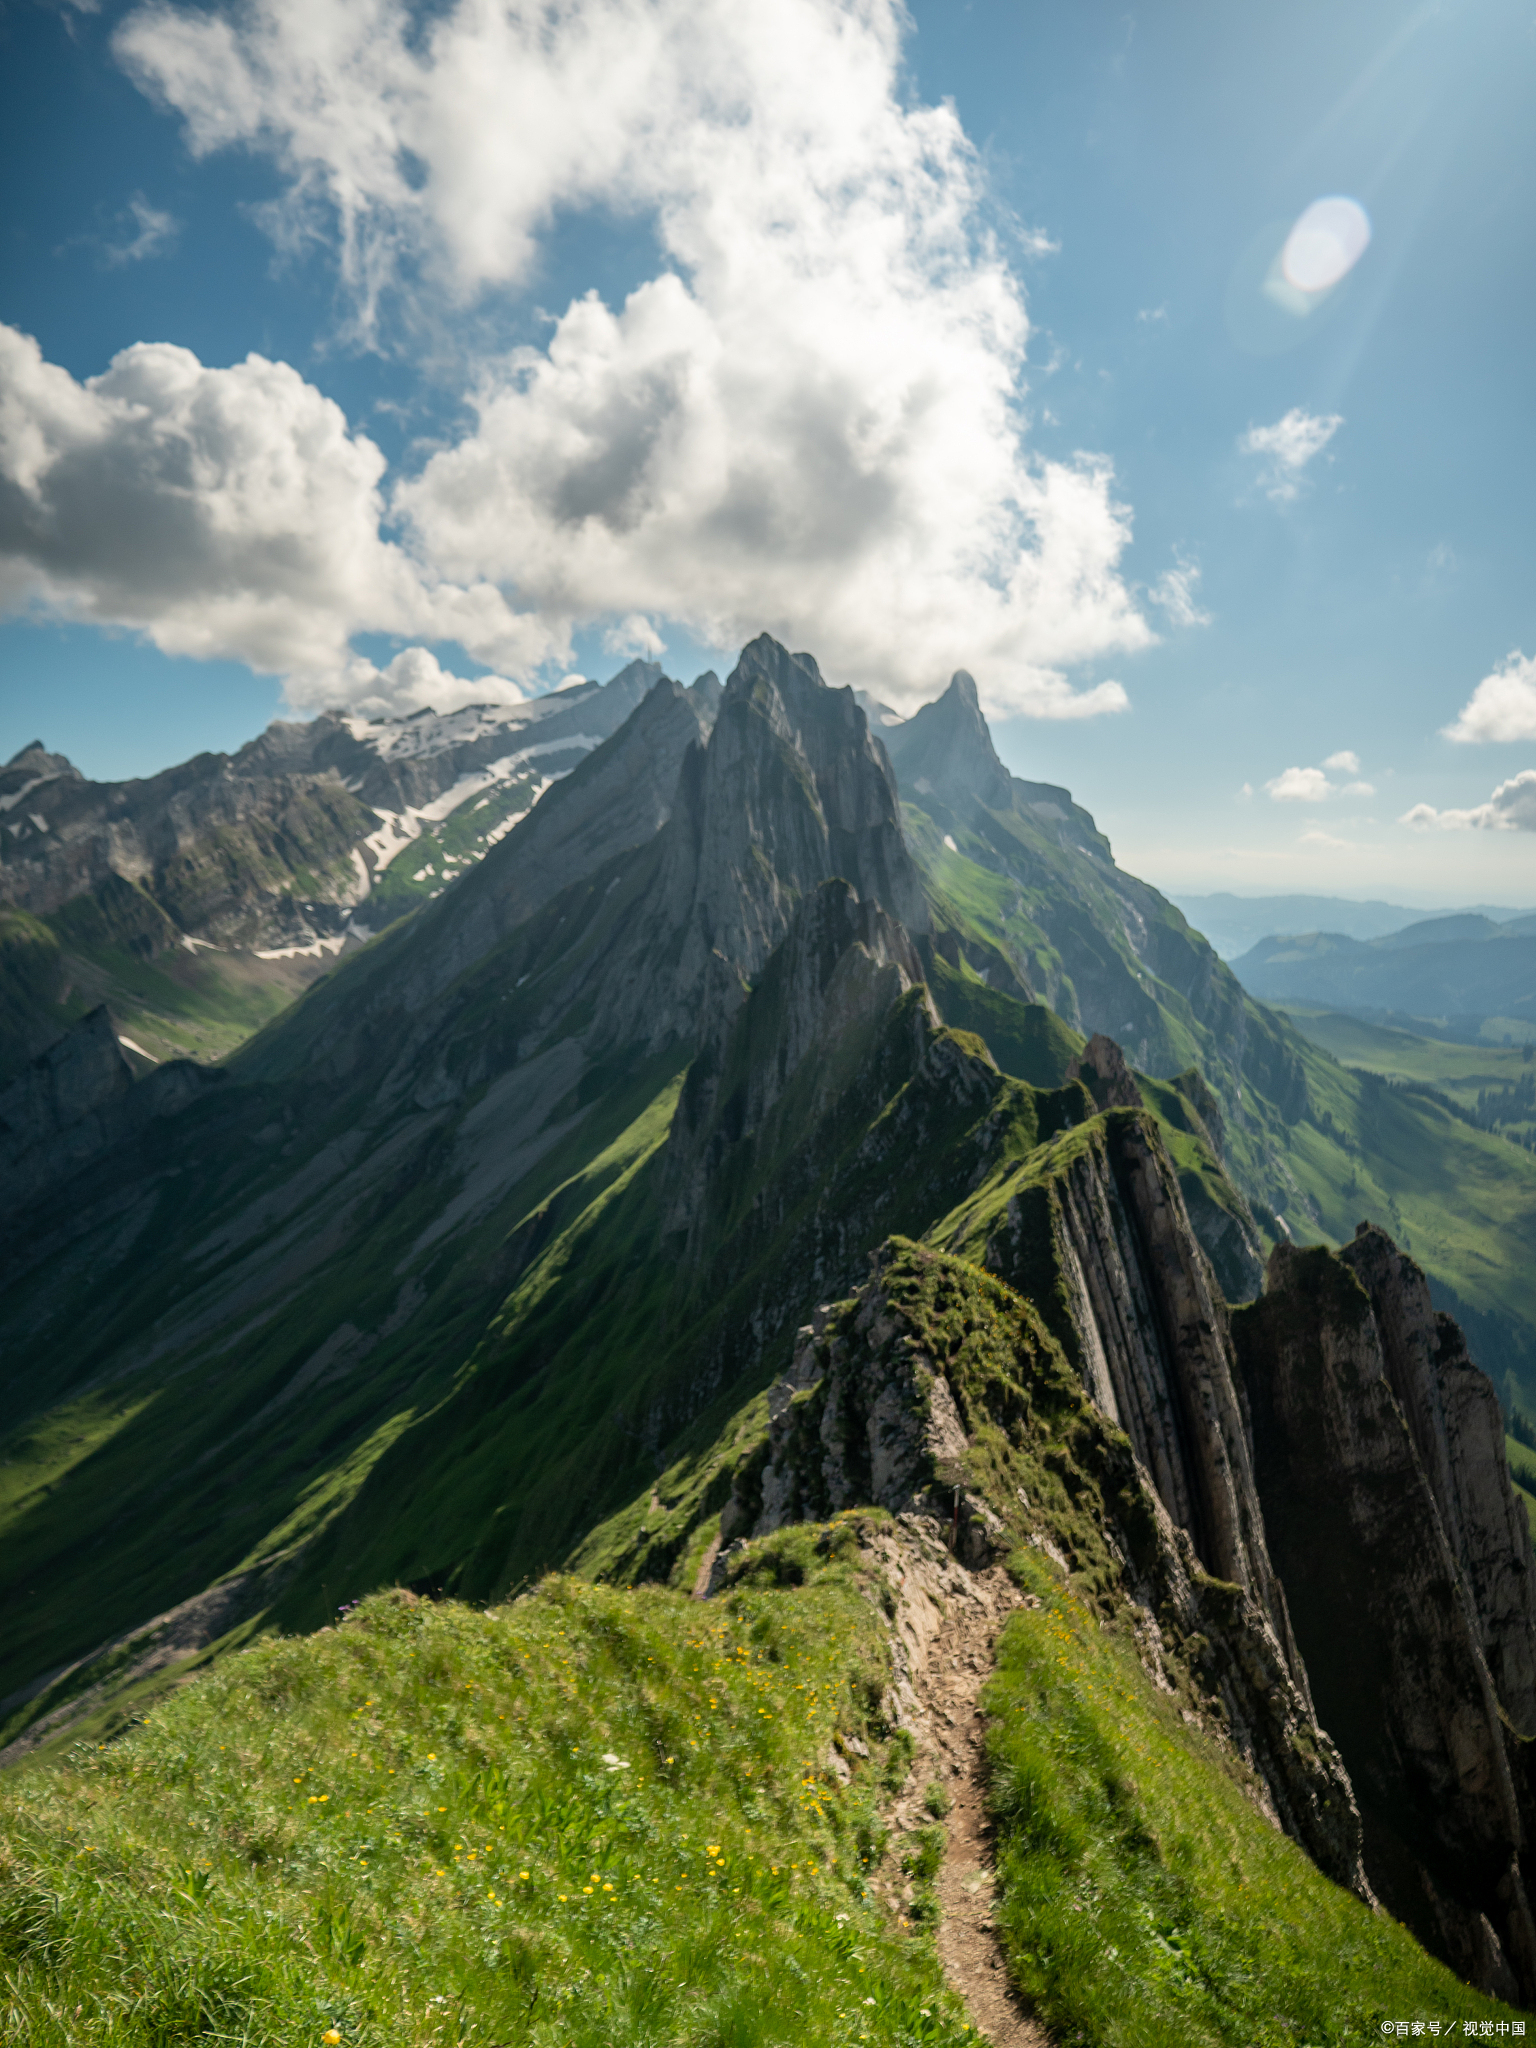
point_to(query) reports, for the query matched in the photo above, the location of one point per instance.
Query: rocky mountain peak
(790, 790)
(946, 750)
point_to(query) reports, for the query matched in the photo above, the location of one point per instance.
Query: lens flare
(1325, 244)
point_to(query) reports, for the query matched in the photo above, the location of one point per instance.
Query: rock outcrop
(79, 1099)
(934, 1391)
(1454, 1418)
(1097, 1232)
(791, 790)
(1401, 1581)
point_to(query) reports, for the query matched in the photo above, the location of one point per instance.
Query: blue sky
(924, 341)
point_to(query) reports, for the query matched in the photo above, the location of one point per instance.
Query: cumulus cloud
(807, 421)
(1511, 808)
(221, 512)
(413, 681)
(1311, 785)
(634, 635)
(1503, 706)
(1327, 842)
(1288, 446)
(1300, 786)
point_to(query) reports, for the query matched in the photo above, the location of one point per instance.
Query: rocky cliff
(1408, 1572)
(78, 1101)
(935, 1390)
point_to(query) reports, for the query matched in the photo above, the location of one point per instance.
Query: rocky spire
(946, 750)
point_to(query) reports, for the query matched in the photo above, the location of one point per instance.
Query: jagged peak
(946, 750)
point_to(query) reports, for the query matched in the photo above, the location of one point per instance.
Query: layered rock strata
(896, 1402)
(1100, 1236)
(1404, 1590)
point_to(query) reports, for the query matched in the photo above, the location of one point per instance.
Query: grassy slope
(607, 1815)
(408, 1830)
(1522, 1466)
(1463, 1072)
(446, 847)
(1461, 1200)
(1145, 1902)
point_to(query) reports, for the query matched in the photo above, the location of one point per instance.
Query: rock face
(1105, 950)
(890, 1401)
(1099, 1231)
(825, 994)
(1457, 1427)
(792, 790)
(78, 1099)
(1398, 1600)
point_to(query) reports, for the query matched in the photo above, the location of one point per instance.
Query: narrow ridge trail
(943, 1644)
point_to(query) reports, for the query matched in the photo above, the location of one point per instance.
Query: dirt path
(946, 1625)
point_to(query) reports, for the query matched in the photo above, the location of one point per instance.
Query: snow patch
(129, 1045)
(950, 844)
(9, 803)
(315, 950)
(401, 827)
(430, 732)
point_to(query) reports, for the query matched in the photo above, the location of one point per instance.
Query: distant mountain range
(1462, 975)
(197, 902)
(1235, 924)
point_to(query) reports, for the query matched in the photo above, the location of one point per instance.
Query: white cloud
(807, 421)
(1150, 315)
(634, 635)
(1312, 786)
(154, 234)
(1288, 446)
(1503, 706)
(1511, 808)
(1325, 841)
(413, 681)
(221, 512)
(1300, 786)
(1174, 592)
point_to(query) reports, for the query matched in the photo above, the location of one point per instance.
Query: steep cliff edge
(1391, 1620)
(1457, 1427)
(936, 1390)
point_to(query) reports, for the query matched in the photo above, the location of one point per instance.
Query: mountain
(1459, 972)
(664, 1205)
(198, 902)
(1235, 924)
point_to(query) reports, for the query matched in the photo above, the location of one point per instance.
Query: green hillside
(604, 1818)
(117, 947)
(1493, 1085)
(1314, 1140)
